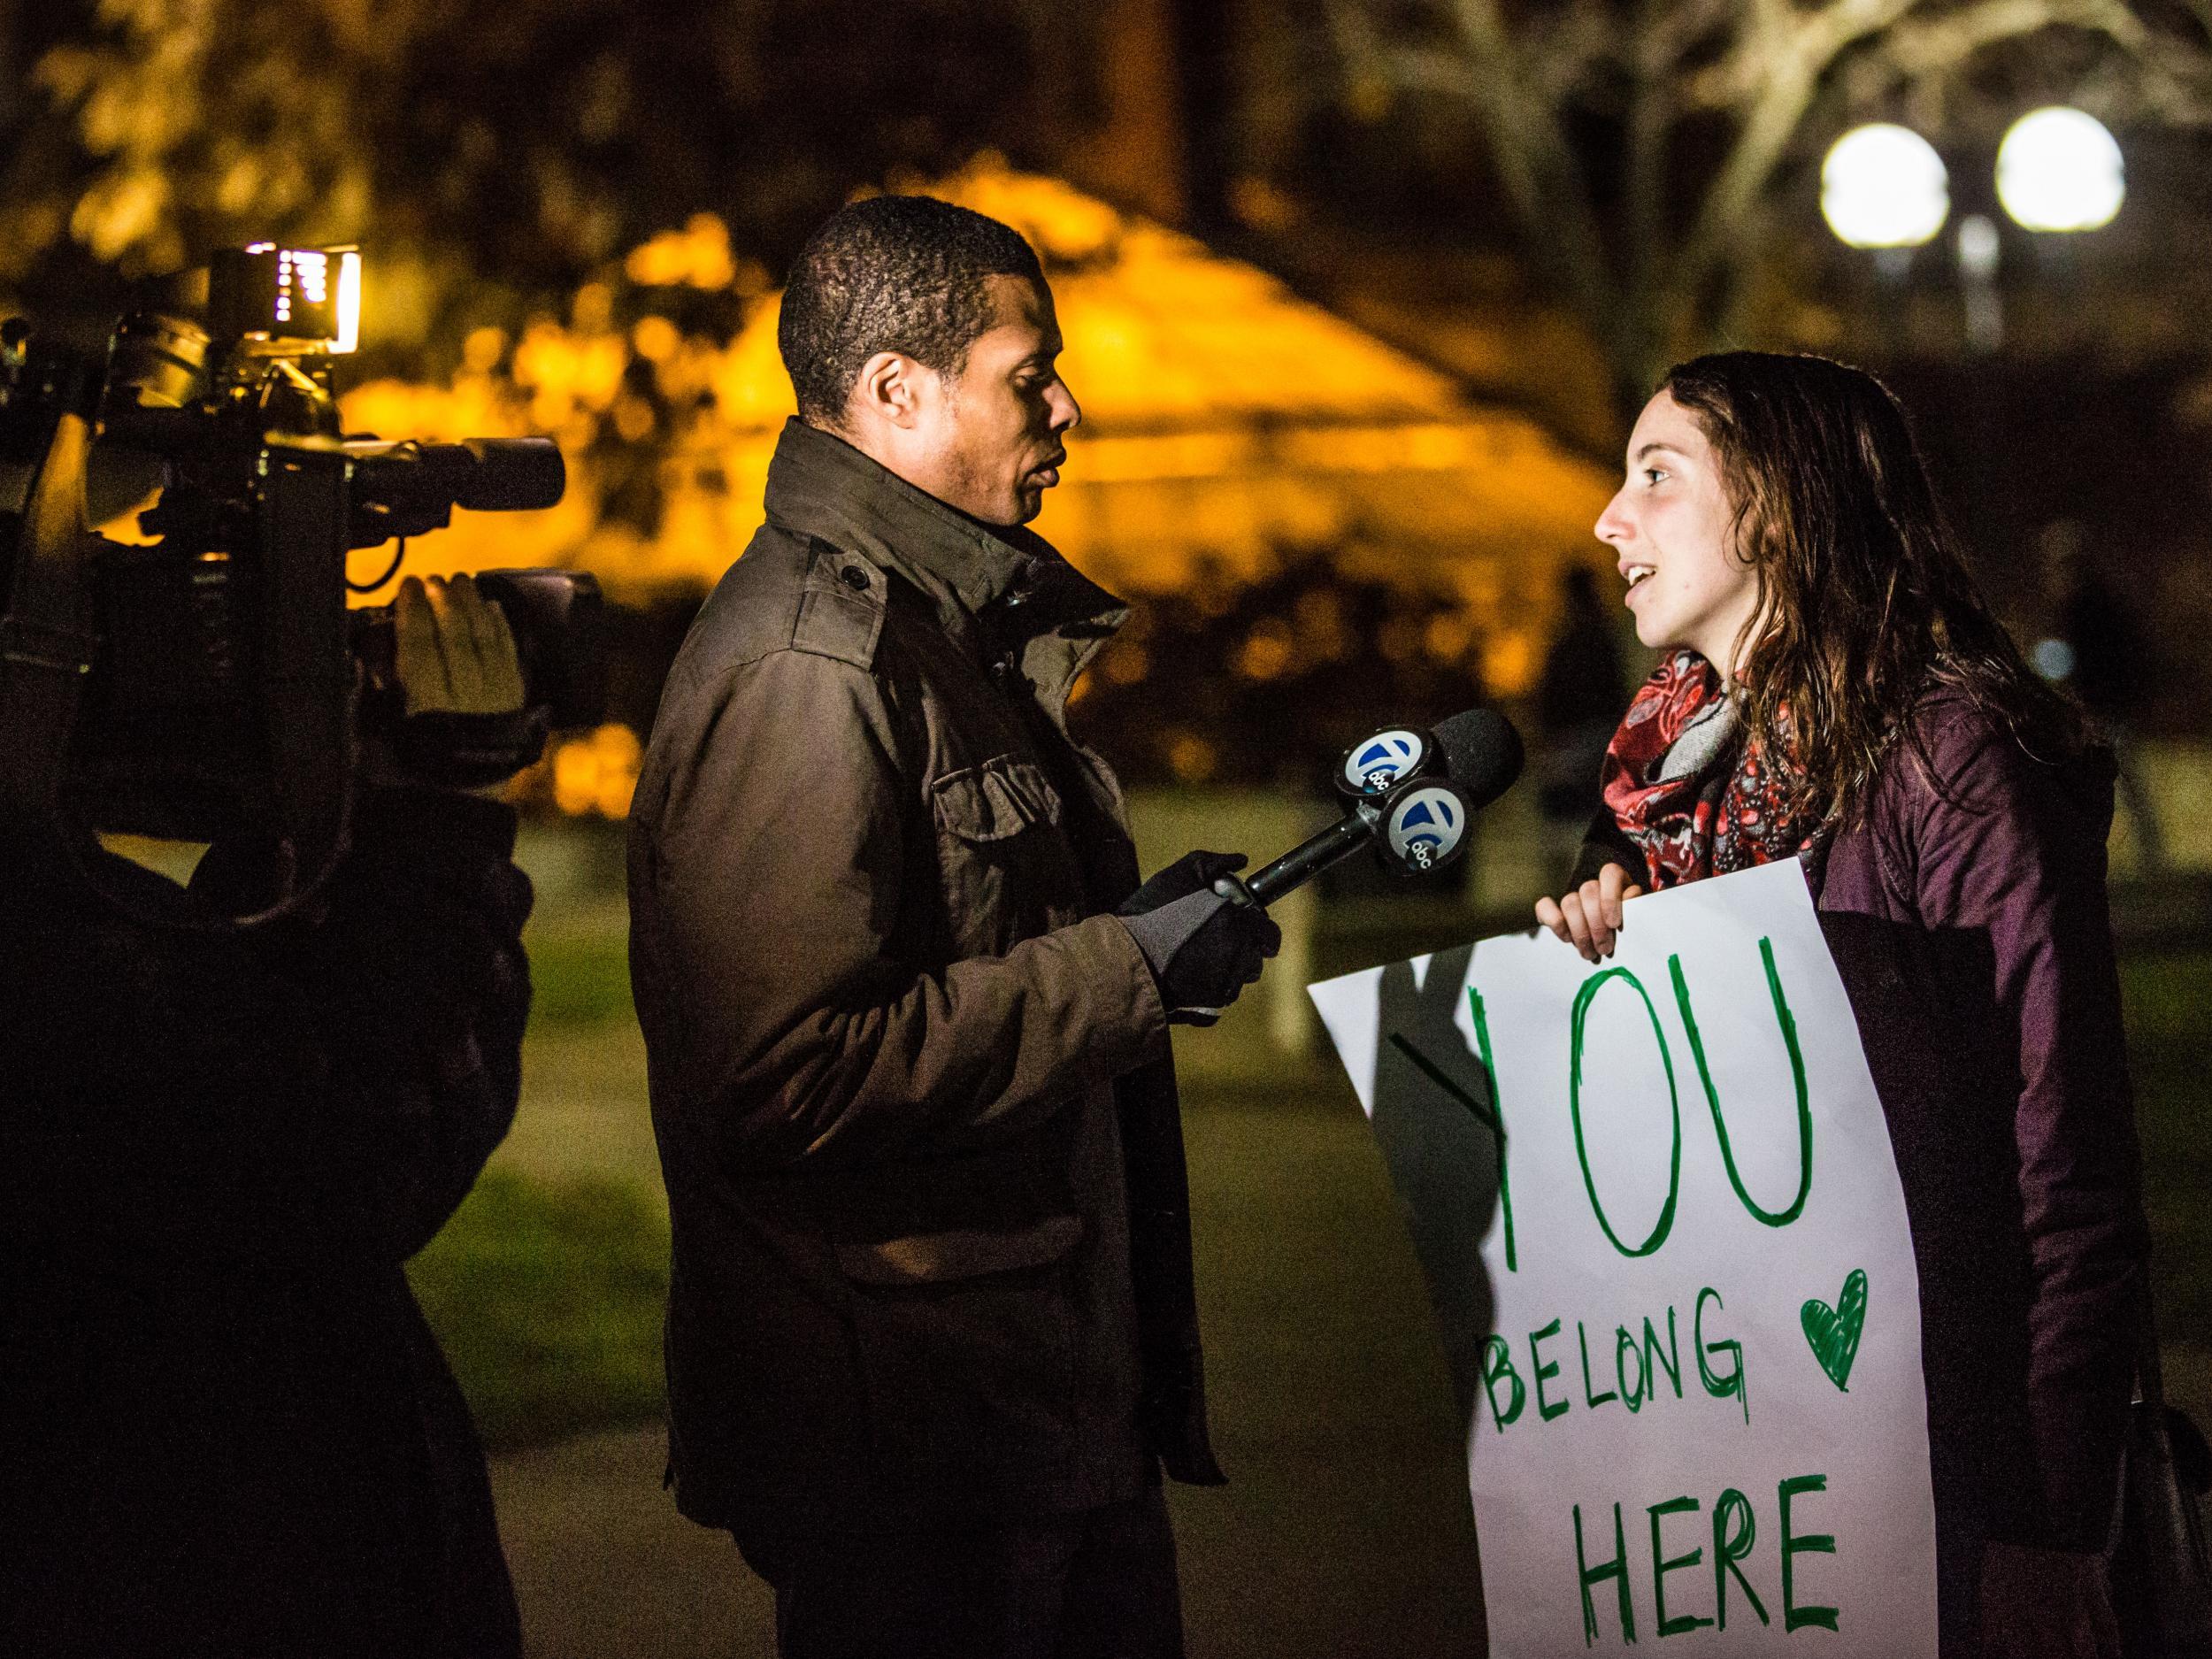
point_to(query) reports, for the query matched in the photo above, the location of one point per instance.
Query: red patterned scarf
(1720, 806)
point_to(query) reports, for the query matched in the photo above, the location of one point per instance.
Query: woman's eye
(1653, 474)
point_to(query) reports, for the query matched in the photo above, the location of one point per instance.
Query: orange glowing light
(1225, 419)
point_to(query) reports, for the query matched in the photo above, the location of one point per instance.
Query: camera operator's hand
(1203, 948)
(466, 726)
(456, 654)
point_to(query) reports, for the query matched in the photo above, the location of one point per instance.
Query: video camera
(229, 687)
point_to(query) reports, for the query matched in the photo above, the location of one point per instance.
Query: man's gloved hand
(1192, 872)
(1202, 949)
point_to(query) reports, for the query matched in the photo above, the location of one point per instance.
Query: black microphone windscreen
(1482, 754)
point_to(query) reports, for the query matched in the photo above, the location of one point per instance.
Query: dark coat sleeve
(1604, 843)
(2012, 850)
(183, 1102)
(775, 838)
(420, 987)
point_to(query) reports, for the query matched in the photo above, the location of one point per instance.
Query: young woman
(1836, 690)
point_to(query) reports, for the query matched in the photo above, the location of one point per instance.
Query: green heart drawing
(1833, 1332)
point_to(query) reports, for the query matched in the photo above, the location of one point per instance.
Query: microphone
(1416, 815)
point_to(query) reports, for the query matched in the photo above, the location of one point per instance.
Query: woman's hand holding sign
(1589, 917)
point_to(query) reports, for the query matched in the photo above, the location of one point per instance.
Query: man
(931, 1328)
(2106, 661)
(224, 1430)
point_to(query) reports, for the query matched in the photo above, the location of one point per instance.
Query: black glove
(1192, 872)
(1202, 949)
(469, 751)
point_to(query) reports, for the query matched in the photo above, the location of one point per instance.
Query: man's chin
(1025, 502)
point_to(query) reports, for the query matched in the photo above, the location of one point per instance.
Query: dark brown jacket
(912, 1088)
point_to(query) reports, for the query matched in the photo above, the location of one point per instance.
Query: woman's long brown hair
(1866, 601)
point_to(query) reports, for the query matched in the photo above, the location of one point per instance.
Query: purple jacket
(1968, 919)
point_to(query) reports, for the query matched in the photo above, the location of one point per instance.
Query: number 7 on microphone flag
(1659, 1214)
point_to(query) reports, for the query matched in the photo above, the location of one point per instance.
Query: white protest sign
(1681, 1308)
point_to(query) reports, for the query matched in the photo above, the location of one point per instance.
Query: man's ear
(888, 390)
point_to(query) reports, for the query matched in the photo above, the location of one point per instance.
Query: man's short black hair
(890, 273)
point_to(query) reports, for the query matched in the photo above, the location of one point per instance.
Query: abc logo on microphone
(1381, 760)
(1415, 819)
(1427, 828)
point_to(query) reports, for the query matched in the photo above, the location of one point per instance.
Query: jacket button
(853, 577)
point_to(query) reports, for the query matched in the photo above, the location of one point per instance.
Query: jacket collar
(819, 485)
(1005, 589)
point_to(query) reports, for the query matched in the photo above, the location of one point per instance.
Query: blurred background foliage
(1349, 652)
(494, 153)
(1439, 246)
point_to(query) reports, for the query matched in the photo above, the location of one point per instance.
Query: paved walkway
(1344, 1533)
(604, 1566)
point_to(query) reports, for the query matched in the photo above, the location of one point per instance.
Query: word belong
(1640, 1366)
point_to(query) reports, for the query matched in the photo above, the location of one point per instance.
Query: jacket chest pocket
(1008, 870)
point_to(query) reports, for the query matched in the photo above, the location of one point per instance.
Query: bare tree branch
(1797, 49)
(2169, 78)
(1672, 30)
(1540, 174)
(1541, 177)
(1936, 45)
(1564, 56)
(1771, 68)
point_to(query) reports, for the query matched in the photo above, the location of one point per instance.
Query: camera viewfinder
(289, 297)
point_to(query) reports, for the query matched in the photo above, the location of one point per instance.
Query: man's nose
(1061, 411)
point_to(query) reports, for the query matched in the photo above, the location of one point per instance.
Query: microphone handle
(1311, 857)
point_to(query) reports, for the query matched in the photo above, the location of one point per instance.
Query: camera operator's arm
(417, 966)
(419, 990)
(178, 1099)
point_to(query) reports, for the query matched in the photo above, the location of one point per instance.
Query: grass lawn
(547, 1299)
(577, 976)
(2169, 998)
(548, 1295)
